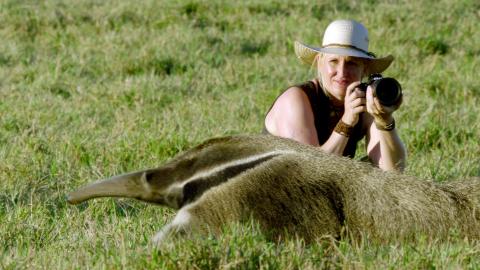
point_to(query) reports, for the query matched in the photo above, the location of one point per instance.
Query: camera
(387, 90)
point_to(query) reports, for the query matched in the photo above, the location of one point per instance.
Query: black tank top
(326, 117)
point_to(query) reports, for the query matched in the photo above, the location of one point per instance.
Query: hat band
(351, 47)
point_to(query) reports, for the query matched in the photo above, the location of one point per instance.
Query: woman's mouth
(342, 83)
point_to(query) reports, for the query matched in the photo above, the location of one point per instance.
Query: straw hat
(344, 37)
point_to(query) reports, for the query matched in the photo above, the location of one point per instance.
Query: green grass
(92, 88)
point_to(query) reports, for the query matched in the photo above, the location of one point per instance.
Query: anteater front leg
(201, 217)
(182, 224)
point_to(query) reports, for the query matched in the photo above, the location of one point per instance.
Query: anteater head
(149, 185)
(185, 177)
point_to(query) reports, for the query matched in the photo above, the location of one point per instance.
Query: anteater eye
(149, 177)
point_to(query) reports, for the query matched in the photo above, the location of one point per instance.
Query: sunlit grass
(94, 88)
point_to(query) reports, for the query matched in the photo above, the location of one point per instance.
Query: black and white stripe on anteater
(295, 189)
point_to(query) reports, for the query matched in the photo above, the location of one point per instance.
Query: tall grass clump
(89, 89)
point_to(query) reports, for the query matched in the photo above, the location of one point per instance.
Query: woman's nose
(342, 69)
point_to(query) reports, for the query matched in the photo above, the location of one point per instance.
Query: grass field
(93, 88)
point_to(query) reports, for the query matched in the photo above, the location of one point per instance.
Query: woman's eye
(353, 64)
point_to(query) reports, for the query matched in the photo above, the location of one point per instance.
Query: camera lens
(388, 91)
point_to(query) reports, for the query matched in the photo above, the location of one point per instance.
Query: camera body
(387, 90)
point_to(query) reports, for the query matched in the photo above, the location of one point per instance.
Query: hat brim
(307, 55)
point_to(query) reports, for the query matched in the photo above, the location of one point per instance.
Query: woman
(331, 111)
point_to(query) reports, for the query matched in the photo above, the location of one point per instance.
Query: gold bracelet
(343, 129)
(388, 127)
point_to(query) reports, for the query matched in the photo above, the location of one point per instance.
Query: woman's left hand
(381, 114)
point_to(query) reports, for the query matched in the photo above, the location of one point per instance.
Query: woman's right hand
(354, 104)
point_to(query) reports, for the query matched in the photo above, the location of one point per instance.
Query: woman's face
(337, 72)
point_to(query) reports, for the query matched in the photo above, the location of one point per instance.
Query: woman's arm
(291, 117)
(384, 146)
